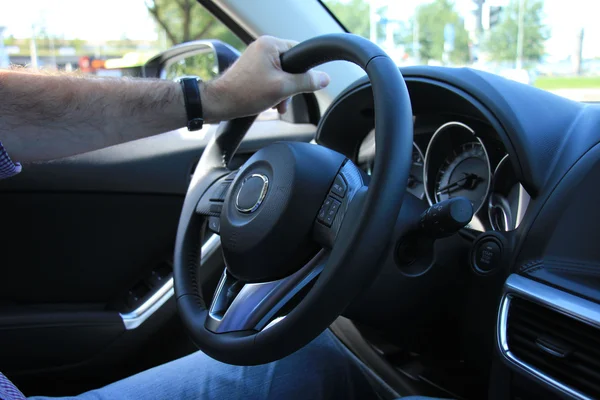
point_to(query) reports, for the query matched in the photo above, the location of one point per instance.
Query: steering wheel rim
(368, 223)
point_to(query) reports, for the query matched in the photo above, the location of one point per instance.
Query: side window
(114, 39)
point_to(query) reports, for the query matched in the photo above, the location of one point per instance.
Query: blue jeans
(324, 369)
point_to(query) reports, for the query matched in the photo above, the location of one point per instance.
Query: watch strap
(193, 103)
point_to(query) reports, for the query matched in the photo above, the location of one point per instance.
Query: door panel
(53, 338)
(88, 238)
(82, 247)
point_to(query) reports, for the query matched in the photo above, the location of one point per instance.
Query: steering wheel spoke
(349, 180)
(239, 306)
(211, 202)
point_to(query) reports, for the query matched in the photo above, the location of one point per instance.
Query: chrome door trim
(137, 317)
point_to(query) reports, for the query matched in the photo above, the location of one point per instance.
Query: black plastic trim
(332, 15)
(222, 16)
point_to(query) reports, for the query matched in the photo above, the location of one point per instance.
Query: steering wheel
(301, 232)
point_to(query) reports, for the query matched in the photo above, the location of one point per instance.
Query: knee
(327, 370)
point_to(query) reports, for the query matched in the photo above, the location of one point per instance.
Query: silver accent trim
(274, 322)
(502, 161)
(416, 147)
(522, 202)
(491, 205)
(557, 300)
(261, 197)
(256, 304)
(137, 317)
(524, 199)
(428, 154)
(217, 297)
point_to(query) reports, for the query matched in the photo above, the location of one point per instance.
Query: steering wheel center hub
(267, 219)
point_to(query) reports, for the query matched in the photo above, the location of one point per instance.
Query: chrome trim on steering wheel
(137, 317)
(254, 306)
(261, 196)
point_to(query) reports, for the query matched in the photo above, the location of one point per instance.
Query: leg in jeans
(321, 370)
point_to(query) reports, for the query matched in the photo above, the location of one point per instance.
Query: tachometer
(457, 164)
(415, 179)
(366, 154)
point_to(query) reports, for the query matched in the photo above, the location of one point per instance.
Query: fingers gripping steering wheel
(301, 233)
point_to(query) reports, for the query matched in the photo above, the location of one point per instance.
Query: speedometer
(464, 173)
(457, 164)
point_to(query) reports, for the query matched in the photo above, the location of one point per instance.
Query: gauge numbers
(456, 165)
(465, 172)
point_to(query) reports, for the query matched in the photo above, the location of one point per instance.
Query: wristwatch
(193, 102)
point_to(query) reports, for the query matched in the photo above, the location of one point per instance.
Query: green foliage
(354, 14)
(567, 82)
(431, 19)
(502, 41)
(10, 40)
(186, 20)
(203, 65)
(78, 45)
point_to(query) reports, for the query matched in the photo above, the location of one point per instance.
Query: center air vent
(564, 349)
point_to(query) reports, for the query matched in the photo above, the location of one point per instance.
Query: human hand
(256, 82)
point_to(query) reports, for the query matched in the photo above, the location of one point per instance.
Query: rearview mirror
(203, 58)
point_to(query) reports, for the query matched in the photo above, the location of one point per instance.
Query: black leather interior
(561, 248)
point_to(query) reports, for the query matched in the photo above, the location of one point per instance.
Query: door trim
(137, 317)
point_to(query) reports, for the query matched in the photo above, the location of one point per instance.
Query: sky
(115, 19)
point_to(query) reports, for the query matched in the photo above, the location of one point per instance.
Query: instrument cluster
(459, 162)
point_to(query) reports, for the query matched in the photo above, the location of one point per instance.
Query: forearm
(50, 116)
(43, 117)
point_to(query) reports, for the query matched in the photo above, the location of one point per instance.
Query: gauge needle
(467, 180)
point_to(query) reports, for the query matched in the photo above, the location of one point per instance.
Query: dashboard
(529, 162)
(452, 158)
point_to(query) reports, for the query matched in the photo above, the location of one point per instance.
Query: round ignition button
(487, 255)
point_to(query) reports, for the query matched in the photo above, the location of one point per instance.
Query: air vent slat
(592, 374)
(569, 377)
(546, 317)
(536, 328)
(571, 366)
(591, 360)
(562, 347)
(561, 325)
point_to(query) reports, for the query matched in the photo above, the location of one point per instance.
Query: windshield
(551, 44)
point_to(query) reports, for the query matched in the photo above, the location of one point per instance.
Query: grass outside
(564, 82)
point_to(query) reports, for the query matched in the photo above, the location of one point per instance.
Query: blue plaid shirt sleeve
(8, 168)
(8, 391)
